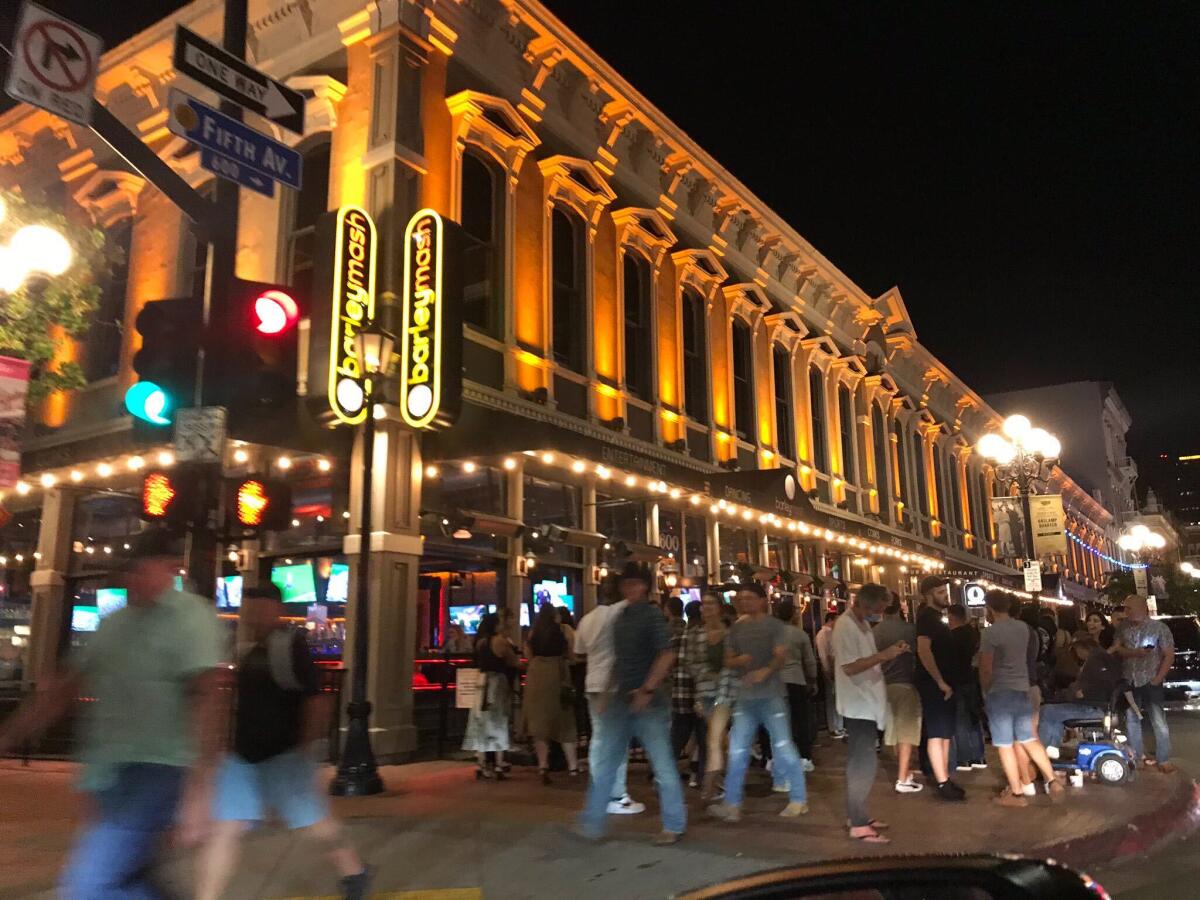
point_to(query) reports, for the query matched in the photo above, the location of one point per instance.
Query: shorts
(938, 715)
(904, 716)
(1010, 717)
(285, 784)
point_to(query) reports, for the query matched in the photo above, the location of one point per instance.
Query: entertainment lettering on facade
(423, 330)
(353, 308)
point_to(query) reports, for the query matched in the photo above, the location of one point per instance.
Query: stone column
(49, 583)
(517, 583)
(590, 554)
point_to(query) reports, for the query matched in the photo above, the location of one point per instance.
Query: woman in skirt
(487, 723)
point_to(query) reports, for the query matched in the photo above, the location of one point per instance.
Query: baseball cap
(633, 571)
(930, 582)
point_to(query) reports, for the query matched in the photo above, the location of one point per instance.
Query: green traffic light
(147, 401)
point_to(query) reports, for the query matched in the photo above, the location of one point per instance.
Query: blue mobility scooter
(1101, 750)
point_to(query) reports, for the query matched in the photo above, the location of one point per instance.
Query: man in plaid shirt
(685, 721)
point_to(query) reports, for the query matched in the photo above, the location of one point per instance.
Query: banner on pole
(1049, 525)
(14, 385)
(1009, 518)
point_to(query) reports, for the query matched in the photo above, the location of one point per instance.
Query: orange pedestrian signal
(252, 503)
(157, 495)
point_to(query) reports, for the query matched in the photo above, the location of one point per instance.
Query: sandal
(482, 774)
(871, 837)
(874, 823)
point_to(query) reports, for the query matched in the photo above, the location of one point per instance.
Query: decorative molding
(701, 270)
(493, 125)
(645, 230)
(748, 301)
(109, 196)
(577, 184)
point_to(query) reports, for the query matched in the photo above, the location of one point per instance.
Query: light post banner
(14, 385)
(1049, 525)
(1009, 519)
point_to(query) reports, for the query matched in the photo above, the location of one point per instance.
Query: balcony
(1128, 468)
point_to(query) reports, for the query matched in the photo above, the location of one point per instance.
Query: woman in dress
(548, 706)
(487, 723)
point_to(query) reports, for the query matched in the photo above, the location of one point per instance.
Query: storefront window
(695, 560)
(777, 555)
(670, 532)
(482, 490)
(550, 503)
(319, 521)
(620, 520)
(736, 545)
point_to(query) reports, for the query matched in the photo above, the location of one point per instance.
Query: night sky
(1026, 173)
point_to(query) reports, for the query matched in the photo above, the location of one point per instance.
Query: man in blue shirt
(639, 708)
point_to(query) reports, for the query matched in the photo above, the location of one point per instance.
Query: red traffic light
(275, 312)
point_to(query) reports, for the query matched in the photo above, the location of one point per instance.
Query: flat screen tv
(229, 592)
(555, 592)
(85, 618)
(338, 590)
(109, 600)
(468, 617)
(295, 582)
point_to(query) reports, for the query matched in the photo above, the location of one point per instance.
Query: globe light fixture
(32, 249)
(1140, 540)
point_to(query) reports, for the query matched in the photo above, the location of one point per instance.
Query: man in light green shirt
(152, 728)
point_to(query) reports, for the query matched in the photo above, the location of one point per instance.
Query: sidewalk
(438, 829)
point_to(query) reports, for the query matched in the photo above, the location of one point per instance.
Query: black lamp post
(357, 774)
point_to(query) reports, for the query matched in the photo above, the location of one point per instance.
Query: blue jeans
(596, 699)
(1150, 698)
(652, 727)
(770, 713)
(1053, 715)
(114, 854)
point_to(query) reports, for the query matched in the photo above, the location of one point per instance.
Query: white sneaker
(965, 767)
(781, 788)
(1052, 752)
(625, 806)
(807, 764)
(979, 765)
(1029, 790)
(908, 787)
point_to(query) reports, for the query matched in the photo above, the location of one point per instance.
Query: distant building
(1175, 479)
(1091, 421)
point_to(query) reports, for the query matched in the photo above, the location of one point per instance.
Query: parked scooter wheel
(1112, 769)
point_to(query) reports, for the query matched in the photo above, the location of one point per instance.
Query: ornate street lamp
(357, 774)
(1141, 541)
(1023, 456)
(33, 249)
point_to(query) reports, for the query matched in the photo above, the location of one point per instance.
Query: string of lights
(1104, 556)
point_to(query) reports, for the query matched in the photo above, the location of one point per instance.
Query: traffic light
(170, 497)
(253, 344)
(253, 503)
(165, 365)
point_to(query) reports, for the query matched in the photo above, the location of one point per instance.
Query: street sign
(200, 434)
(1033, 576)
(975, 593)
(232, 170)
(238, 81)
(54, 64)
(1141, 584)
(203, 125)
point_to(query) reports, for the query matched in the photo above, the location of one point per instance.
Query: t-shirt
(138, 668)
(1008, 643)
(640, 634)
(594, 639)
(758, 638)
(930, 625)
(274, 679)
(1151, 634)
(892, 631)
(966, 641)
(801, 665)
(861, 696)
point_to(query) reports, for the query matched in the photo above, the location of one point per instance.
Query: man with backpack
(280, 712)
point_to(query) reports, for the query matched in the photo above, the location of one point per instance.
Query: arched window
(311, 203)
(102, 345)
(695, 356)
(639, 333)
(983, 527)
(939, 485)
(743, 380)
(785, 427)
(902, 463)
(816, 405)
(568, 298)
(883, 483)
(483, 253)
(918, 461)
(846, 426)
(951, 466)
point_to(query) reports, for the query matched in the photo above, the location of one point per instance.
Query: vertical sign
(1009, 519)
(353, 308)
(431, 335)
(14, 384)
(1141, 584)
(1049, 525)
(1033, 576)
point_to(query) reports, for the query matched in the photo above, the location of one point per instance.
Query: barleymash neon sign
(431, 328)
(353, 309)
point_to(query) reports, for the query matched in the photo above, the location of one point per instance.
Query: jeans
(772, 714)
(967, 744)
(861, 764)
(597, 701)
(652, 728)
(1050, 723)
(683, 726)
(833, 718)
(1150, 698)
(115, 852)
(801, 716)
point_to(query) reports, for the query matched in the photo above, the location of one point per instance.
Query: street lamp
(1140, 540)
(1024, 456)
(32, 249)
(357, 774)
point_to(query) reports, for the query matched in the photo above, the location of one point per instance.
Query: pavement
(437, 834)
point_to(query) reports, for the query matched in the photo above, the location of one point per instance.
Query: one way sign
(235, 80)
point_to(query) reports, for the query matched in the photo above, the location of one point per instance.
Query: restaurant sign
(353, 309)
(431, 329)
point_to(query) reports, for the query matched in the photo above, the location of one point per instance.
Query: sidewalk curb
(1174, 819)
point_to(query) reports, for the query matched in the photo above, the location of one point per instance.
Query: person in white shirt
(594, 639)
(823, 643)
(862, 702)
